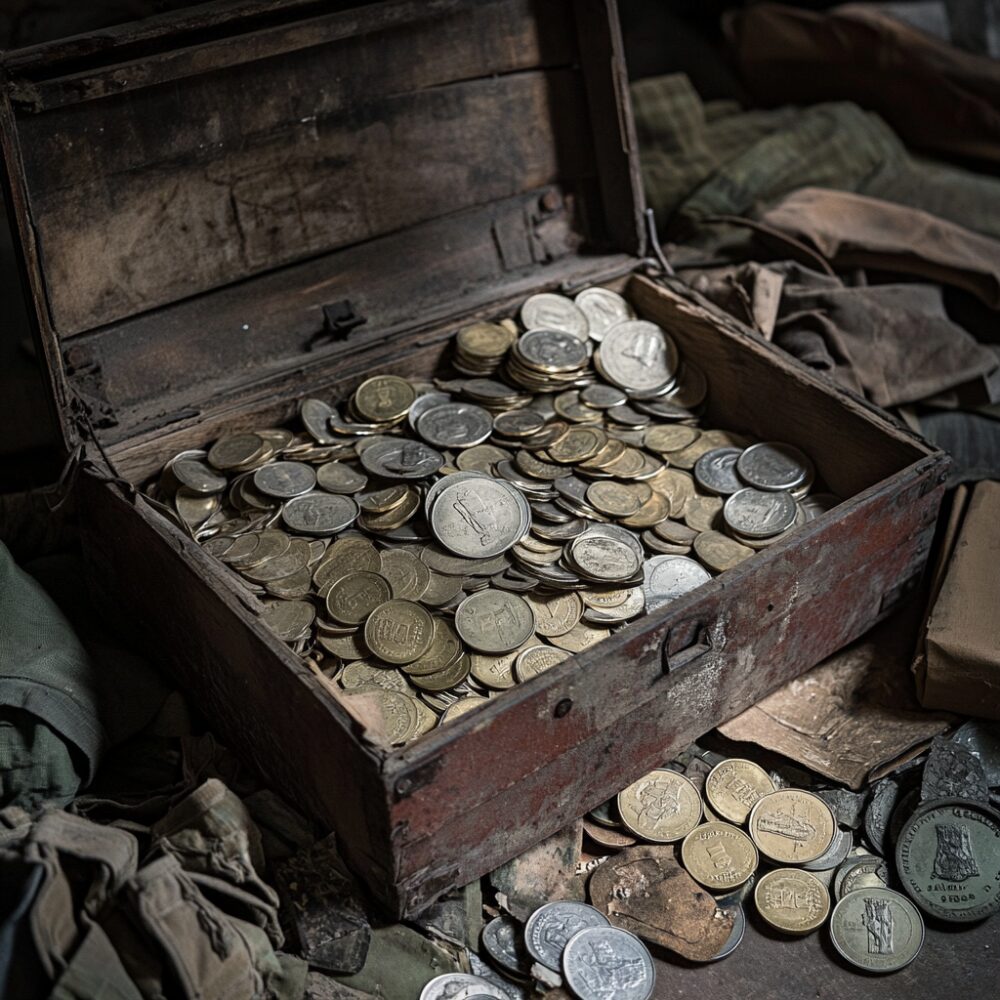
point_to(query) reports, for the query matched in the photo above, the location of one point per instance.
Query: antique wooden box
(197, 195)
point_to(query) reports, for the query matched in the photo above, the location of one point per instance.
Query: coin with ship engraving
(600, 963)
(662, 806)
(550, 311)
(399, 632)
(791, 826)
(734, 786)
(479, 517)
(877, 929)
(948, 859)
(549, 928)
(494, 621)
(759, 513)
(719, 855)
(792, 900)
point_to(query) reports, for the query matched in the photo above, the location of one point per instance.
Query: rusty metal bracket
(686, 643)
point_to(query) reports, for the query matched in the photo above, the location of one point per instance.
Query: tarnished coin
(399, 632)
(665, 438)
(288, 620)
(719, 855)
(315, 416)
(600, 396)
(550, 927)
(503, 939)
(758, 513)
(398, 711)
(860, 873)
(617, 499)
(193, 473)
(479, 517)
(552, 350)
(662, 806)
(461, 986)
(496, 671)
(579, 638)
(536, 660)
(637, 356)
(236, 451)
(774, 465)
(792, 900)
(603, 309)
(355, 596)
(494, 621)
(555, 614)
(444, 650)
(518, 423)
(284, 480)
(670, 577)
(948, 859)
(877, 930)
(399, 458)
(834, 855)
(601, 558)
(715, 471)
(384, 398)
(407, 576)
(462, 706)
(455, 425)
(791, 826)
(335, 477)
(603, 962)
(702, 513)
(734, 786)
(720, 552)
(554, 312)
(319, 514)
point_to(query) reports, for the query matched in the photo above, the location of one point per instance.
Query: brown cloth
(853, 230)
(936, 96)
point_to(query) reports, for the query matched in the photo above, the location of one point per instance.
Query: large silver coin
(603, 309)
(550, 927)
(877, 930)
(602, 558)
(554, 312)
(424, 403)
(504, 942)
(552, 350)
(455, 425)
(638, 356)
(479, 517)
(315, 415)
(494, 621)
(670, 577)
(284, 480)
(461, 986)
(604, 962)
(758, 513)
(774, 465)
(319, 514)
(397, 458)
(715, 471)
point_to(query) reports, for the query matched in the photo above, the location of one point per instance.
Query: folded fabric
(853, 230)
(935, 96)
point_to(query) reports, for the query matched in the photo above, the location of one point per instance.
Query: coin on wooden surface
(792, 900)
(550, 927)
(948, 859)
(734, 786)
(494, 621)
(877, 930)
(355, 596)
(791, 826)
(719, 855)
(399, 632)
(662, 806)
(603, 962)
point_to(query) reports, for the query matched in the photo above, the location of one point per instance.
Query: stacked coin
(431, 544)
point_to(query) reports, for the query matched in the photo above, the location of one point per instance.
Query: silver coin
(455, 425)
(670, 577)
(602, 558)
(715, 471)
(601, 396)
(759, 513)
(479, 517)
(424, 403)
(861, 865)
(284, 480)
(461, 986)
(434, 490)
(552, 350)
(503, 940)
(319, 514)
(315, 416)
(774, 465)
(818, 503)
(877, 930)
(549, 311)
(335, 477)
(494, 621)
(834, 855)
(518, 423)
(604, 962)
(638, 356)
(620, 534)
(398, 458)
(550, 927)
(603, 309)
(197, 475)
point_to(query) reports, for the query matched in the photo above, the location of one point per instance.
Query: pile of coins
(432, 544)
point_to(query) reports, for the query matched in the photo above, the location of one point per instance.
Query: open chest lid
(208, 200)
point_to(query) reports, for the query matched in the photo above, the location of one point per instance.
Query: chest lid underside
(191, 190)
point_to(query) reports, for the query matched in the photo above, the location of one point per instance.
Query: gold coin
(719, 855)
(361, 674)
(556, 614)
(677, 486)
(734, 787)
(399, 632)
(288, 620)
(353, 597)
(628, 464)
(654, 510)
(791, 826)
(720, 552)
(482, 458)
(444, 650)
(395, 517)
(577, 444)
(236, 450)
(792, 900)
(384, 398)
(617, 499)
(664, 438)
(443, 680)
(662, 806)
(701, 513)
(382, 501)
(408, 577)
(536, 660)
(462, 707)
(605, 598)
(497, 672)
(398, 712)
(579, 638)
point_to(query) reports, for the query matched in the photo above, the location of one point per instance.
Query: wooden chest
(198, 197)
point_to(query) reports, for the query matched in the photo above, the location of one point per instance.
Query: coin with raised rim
(792, 900)
(550, 927)
(550, 311)
(494, 621)
(719, 855)
(607, 962)
(399, 632)
(355, 596)
(877, 930)
(791, 826)
(734, 786)
(319, 514)
(662, 806)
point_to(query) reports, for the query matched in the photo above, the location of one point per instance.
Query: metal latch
(339, 319)
(687, 642)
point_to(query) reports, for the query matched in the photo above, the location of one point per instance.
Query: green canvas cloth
(703, 159)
